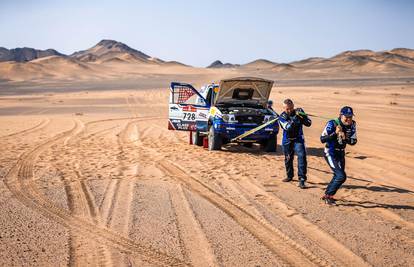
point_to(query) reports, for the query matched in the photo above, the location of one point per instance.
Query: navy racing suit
(335, 151)
(293, 141)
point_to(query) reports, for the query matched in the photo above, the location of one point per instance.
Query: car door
(188, 109)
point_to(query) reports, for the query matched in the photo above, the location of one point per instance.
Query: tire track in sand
(81, 204)
(197, 248)
(118, 189)
(19, 182)
(325, 241)
(116, 207)
(194, 244)
(42, 124)
(288, 251)
(252, 189)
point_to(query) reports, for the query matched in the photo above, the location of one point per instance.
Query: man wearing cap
(270, 107)
(292, 120)
(337, 134)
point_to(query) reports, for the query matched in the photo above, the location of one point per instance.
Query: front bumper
(232, 130)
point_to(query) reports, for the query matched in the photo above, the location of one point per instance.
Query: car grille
(250, 119)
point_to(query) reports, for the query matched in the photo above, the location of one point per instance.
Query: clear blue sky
(199, 32)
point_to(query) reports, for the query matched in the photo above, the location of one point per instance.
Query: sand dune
(259, 64)
(360, 62)
(50, 68)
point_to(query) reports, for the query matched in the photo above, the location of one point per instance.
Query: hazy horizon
(200, 33)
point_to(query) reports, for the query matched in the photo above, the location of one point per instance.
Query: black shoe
(287, 180)
(302, 184)
(329, 200)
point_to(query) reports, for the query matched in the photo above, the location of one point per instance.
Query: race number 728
(189, 116)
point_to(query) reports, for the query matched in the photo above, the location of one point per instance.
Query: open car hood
(244, 89)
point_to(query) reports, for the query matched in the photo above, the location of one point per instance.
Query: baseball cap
(347, 111)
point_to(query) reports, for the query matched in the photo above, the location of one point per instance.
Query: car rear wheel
(197, 138)
(214, 140)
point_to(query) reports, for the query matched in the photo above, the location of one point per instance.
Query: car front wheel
(270, 145)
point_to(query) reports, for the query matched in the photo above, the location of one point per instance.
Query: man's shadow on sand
(374, 188)
(372, 205)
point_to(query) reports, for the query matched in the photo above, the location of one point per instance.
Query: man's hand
(339, 132)
(301, 112)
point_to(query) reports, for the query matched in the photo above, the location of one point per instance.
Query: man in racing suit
(292, 120)
(336, 135)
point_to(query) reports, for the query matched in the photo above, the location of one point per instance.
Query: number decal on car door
(189, 116)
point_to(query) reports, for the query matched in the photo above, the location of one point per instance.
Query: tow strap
(252, 131)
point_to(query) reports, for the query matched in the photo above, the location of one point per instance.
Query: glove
(301, 112)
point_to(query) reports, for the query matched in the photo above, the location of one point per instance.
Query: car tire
(214, 140)
(197, 138)
(270, 145)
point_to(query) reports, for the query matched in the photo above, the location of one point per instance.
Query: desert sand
(91, 176)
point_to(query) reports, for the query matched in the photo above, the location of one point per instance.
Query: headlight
(225, 117)
(268, 118)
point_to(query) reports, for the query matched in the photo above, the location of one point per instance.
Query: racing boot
(329, 200)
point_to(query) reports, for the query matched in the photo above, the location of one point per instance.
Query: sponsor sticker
(213, 111)
(189, 108)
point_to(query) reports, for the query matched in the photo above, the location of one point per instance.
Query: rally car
(224, 112)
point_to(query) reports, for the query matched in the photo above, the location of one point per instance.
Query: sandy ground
(90, 177)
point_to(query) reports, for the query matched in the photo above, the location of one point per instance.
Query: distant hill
(113, 51)
(219, 64)
(25, 54)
